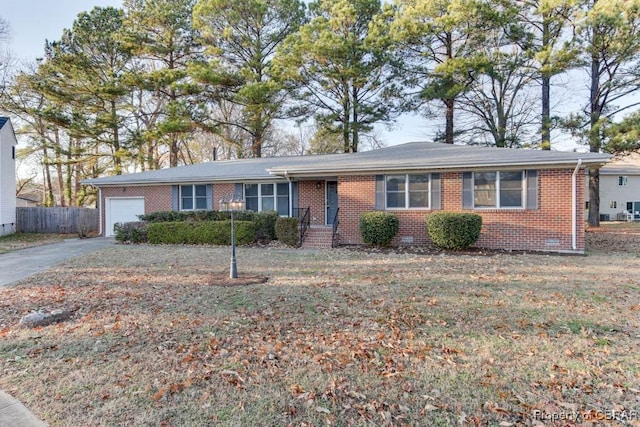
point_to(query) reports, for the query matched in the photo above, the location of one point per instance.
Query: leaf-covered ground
(16, 241)
(336, 337)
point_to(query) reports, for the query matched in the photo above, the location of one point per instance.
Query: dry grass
(333, 338)
(16, 241)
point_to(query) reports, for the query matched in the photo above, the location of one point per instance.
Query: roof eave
(307, 172)
(186, 180)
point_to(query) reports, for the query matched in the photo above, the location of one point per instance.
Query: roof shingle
(413, 156)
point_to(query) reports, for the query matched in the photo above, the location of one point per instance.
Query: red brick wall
(548, 228)
(309, 196)
(156, 197)
(220, 191)
(356, 194)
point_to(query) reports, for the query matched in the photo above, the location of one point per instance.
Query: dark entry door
(332, 201)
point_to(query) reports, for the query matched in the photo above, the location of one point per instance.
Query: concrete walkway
(18, 265)
(15, 414)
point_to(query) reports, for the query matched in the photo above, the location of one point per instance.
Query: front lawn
(335, 337)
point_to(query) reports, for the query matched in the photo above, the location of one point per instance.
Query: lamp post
(233, 205)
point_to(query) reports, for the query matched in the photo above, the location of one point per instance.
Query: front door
(332, 201)
(636, 210)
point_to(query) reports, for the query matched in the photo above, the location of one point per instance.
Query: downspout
(99, 211)
(574, 208)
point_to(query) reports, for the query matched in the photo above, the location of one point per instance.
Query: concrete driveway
(20, 264)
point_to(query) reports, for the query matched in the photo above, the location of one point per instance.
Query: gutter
(574, 208)
(351, 170)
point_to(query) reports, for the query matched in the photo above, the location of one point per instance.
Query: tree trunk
(546, 113)
(258, 139)
(448, 130)
(545, 131)
(116, 139)
(594, 133)
(58, 162)
(48, 199)
(449, 102)
(355, 131)
(174, 151)
(346, 116)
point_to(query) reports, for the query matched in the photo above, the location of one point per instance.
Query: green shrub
(286, 230)
(451, 230)
(265, 225)
(201, 232)
(133, 232)
(378, 228)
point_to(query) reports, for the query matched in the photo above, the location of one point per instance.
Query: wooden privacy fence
(56, 220)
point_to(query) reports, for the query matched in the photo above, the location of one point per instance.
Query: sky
(34, 21)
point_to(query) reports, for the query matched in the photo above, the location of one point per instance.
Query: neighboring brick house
(529, 200)
(7, 177)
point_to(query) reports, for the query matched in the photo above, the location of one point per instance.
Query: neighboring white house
(620, 189)
(7, 177)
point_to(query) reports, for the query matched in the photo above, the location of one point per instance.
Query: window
(267, 197)
(502, 189)
(282, 200)
(13, 152)
(613, 204)
(193, 197)
(484, 189)
(511, 189)
(622, 180)
(251, 197)
(407, 191)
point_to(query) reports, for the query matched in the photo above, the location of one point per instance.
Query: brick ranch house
(528, 200)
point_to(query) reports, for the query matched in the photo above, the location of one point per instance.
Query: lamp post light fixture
(233, 204)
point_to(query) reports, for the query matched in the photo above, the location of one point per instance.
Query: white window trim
(406, 193)
(623, 180)
(193, 197)
(523, 190)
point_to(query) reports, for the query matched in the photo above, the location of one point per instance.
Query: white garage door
(122, 209)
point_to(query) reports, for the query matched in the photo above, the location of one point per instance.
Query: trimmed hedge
(378, 228)
(265, 222)
(287, 231)
(201, 233)
(452, 230)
